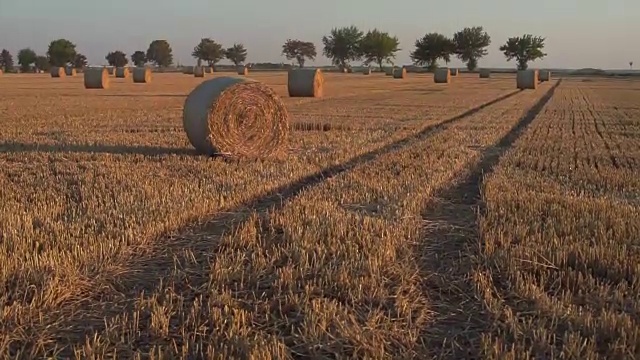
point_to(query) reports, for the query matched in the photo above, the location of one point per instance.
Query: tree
(237, 54)
(299, 50)
(470, 45)
(26, 57)
(80, 61)
(61, 52)
(524, 49)
(42, 63)
(378, 47)
(210, 51)
(117, 58)
(6, 60)
(139, 58)
(432, 47)
(343, 45)
(160, 53)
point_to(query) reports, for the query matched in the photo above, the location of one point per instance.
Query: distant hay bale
(527, 79)
(188, 70)
(236, 117)
(349, 70)
(96, 78)
(442, 76)
(208, 70)
(141, 75)
(242, 70)
(367, 71)
(485, 73)
(58, 72)
(110, 70)
(123, 72)
(305, 83)
(454, 72)
(544, 75)
(70, 71)
(389, 71)
(399, 73)
(198, 71)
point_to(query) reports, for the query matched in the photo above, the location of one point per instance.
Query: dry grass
(120, 241)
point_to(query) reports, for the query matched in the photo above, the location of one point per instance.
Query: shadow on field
(451, 244)
(18, 147)
(192, 254)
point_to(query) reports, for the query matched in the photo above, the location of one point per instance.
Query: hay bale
(350, 70)
(454, 72)
(527, 79)
(208, 70)
(198, 71)
(110, 70)
(243, 70)
(141, 75)
(237, 117)
(188, 70)
(58, 72)
(123, 72)
(485, 73)
(399, 73)
(367, 71)
(70, 71)
(389, 71)
(96, 78)
(544, 75)
(442, 76)
(305, 83)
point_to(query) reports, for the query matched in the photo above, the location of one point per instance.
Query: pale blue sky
(570, 26)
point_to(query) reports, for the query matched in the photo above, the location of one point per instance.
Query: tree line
(342, 45)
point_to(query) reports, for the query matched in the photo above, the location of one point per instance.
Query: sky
(571, 27)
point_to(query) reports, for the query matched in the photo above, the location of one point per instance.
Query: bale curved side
(123, 72)
(400, 73)
(58, 72)
(69, 71)
(485, 73)
(305, 83)
(442, 76)
(243, 70)
(454, 72)
(96, 78)
(237, 117)
(527, 79)
(198, 71)
(141, 75)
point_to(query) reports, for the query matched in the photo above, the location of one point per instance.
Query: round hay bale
(188, 70)
(544, 75)
(96, 78)
(208, 70)
(58, 72)
(305, 83)
(366, 71)
(141, 75)
(110, 70)
(442, 76)
(69, 71)
(454, 72)
(236, 117)
(485, 73)
(243, 70)
(198, 71)
(527, 79)
(399, 73)
(389, 71)
(123, 72)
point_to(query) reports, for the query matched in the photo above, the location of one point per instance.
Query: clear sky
(97, 27)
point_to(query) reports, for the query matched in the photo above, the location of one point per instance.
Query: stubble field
(409, 220)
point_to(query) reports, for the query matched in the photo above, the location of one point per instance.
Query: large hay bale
(544, 75)
(367, 71)
(305, 83)
(485, 73)
(198, 71)
(399, 73)
(242, 70)
(389, 71)
(58, 72)
(442, 76)
(237, 117)
(527, 79)
(96, 78)
(70, 71)
(454, 72)
(123, 72)
(141, 75)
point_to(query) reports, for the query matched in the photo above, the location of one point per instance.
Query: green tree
(117, 58)
(208, 50)
(343, 45)
(160, 53)
(61, 52)
(378, 47)
(299, 50)
(432, 47)
(524, 49)
(470, 45)
(26, 57)
(42, 63)
(80, 61)
(6, 60)
(237, 54)
(139, 58)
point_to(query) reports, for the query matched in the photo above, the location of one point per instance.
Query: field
(409, 220)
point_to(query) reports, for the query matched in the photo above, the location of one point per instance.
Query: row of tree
(343, 46)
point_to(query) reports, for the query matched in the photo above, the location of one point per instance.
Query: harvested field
(117, 240)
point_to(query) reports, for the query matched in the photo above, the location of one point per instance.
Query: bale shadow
(451, 245)
(19, 147)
